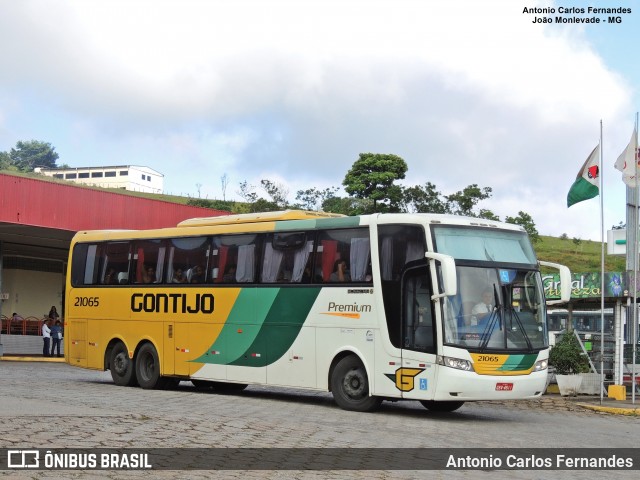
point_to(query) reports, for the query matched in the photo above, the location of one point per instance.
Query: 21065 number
(87, 301)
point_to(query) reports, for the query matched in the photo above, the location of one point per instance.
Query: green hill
(582, 256)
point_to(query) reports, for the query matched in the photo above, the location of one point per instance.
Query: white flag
(628, 160)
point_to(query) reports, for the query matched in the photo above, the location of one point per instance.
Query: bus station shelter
(38, 219)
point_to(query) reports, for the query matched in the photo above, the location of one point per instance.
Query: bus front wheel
(148, 367)
(350, 386)
(121, 366)
(444, 406)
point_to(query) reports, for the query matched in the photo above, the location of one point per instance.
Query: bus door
(417, 375)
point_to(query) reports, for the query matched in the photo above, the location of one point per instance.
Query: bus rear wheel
(350, 386)
(444, 406)
(121, 366)
(148, 368)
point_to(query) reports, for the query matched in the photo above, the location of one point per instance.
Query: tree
(524, 219)
(488, 215)
(312, 197)
(424, 199)
(5, 161)
(215, 204)
(247, 192)
(464, 201)
(348, 205)
(277, 192)
(224, 180)
(372, 177)
(29, 155)
(620, 226)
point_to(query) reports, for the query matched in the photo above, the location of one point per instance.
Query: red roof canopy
(33, 202)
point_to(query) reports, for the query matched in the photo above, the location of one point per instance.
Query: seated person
(340, 272)
(229, 274)
(482, 310)
(148, 274)
(197, 274)
(179, 276)
(110, 277)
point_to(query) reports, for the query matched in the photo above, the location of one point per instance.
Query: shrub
(567, 356)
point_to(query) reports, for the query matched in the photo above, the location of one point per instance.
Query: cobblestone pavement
(58, 406)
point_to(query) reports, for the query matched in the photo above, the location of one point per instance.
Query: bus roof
(256, 218)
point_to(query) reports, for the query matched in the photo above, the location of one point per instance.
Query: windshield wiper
(494, 317)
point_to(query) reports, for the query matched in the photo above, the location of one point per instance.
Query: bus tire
(444, 406)
(121, 366)
(148, 367)
(350, 386)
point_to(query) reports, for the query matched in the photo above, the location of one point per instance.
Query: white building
(127, 177)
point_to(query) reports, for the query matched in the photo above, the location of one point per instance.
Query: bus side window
(235, 258)
(286, 258)
(344, 255)
(149, 256)
(399, 245)
(188, 258)
(115, 263)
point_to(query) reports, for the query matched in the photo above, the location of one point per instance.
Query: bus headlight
(541, 365)
(456, 363)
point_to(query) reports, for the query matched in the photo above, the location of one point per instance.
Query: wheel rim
(354, 384)
(121, 363)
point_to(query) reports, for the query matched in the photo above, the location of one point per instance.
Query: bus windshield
(485, 245)
(496, 309)
(500, 302)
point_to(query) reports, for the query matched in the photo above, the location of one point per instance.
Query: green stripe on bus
(280, 328)
(343, 222)
(334, 222)
(242, 326)
(518, 362)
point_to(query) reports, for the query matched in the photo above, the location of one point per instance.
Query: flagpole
(601, 271)
(634, 330)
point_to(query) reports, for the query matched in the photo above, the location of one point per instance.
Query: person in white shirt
(46, 337)
(484, 308)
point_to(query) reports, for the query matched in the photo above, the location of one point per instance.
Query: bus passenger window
(188, 259)
(239, 251)
(344, 255)
(285, 258)
(149, 258)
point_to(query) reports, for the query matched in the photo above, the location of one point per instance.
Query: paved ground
(52, 405)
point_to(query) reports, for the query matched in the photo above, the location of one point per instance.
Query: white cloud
(465, 91)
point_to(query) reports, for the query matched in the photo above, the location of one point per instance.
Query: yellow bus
(373, 307)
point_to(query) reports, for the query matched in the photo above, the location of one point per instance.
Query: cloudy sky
(465, 91)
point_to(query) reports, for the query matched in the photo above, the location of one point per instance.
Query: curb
(32, 359)
(632, 411)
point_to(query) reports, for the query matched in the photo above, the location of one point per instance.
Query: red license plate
(504, 387)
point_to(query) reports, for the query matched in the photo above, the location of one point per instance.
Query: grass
(584, 256)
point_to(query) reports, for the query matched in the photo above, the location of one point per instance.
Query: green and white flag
(586, 184)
